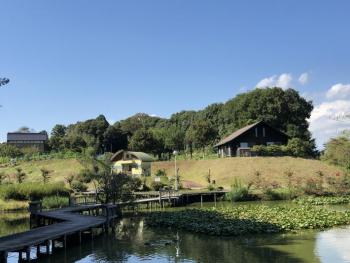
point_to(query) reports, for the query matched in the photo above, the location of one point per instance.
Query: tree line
(189, 131)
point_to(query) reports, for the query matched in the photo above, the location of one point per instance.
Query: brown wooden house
(28, 139)
(241, 141)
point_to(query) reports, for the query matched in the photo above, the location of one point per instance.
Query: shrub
(156, 186)
(78, 186)
(20, 175)
(238, 192)
(10, 151)
(278, 194)
(55, 202)
(313, 187)
(160, 172)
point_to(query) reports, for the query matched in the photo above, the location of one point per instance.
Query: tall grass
(239, 192)
(32, 191)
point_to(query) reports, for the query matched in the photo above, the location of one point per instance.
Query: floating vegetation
(239, 220)
(322, 200)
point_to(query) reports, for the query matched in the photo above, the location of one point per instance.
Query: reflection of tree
(135, 242)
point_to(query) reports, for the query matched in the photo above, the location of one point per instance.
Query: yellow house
(132, 163)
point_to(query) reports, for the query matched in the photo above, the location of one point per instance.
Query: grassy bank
(240, 220)
(59, 169)
(223, 171)
(16, 196)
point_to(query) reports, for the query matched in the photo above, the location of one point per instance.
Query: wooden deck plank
(72, 223)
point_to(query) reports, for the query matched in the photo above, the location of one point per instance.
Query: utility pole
(176, 172)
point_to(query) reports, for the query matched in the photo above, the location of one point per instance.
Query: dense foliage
(245, 219)
(337, 151)
(189, 131)
(322, 200)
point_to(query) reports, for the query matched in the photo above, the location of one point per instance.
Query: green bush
(160, 172)
(156, 186)
(32, 191)
(55, 202)
(238, 192)
(277, 194)
(9, 151)
(78, 186)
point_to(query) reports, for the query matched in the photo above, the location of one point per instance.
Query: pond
(134, 242)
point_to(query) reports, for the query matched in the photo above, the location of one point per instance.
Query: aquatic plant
(244, 219)
(323, 200)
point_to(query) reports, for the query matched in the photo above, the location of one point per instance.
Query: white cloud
(324, 123)
(339, 91)
(283, 81)
(335, 240)
(303, 78)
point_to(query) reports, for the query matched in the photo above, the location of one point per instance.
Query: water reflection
(334, 245)
(134, 242)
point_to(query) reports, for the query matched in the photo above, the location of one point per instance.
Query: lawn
(223, 171)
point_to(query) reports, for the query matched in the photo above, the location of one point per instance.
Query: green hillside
(223, 171)
(193, 172)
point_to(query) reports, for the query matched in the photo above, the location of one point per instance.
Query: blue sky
(73, 60)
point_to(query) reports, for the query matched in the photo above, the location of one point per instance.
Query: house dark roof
(241, 131)
(138, 155)
(26, 136)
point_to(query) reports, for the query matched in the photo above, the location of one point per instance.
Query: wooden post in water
(3, 257)
(47, 243)
(38, 251)
(215, 199)
(201, 200)
(28, 254)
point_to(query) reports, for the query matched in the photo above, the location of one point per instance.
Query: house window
(264, 132)
(244, 145)
(256, 132)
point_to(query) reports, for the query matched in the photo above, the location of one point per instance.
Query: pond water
(134, 242)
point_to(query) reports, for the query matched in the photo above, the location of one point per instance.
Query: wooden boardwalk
(54, 225)
(69, 222)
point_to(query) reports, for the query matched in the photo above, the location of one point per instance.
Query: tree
(337, 151)
(110, 186)
(69, 180)
(142, 140)
(4, 81)
(45, 174)
(10, 151)
(114, 139)
(20, 175)
(25, 129)
(57, 136)
(174, 138)
(201, 134)
(285, 110)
